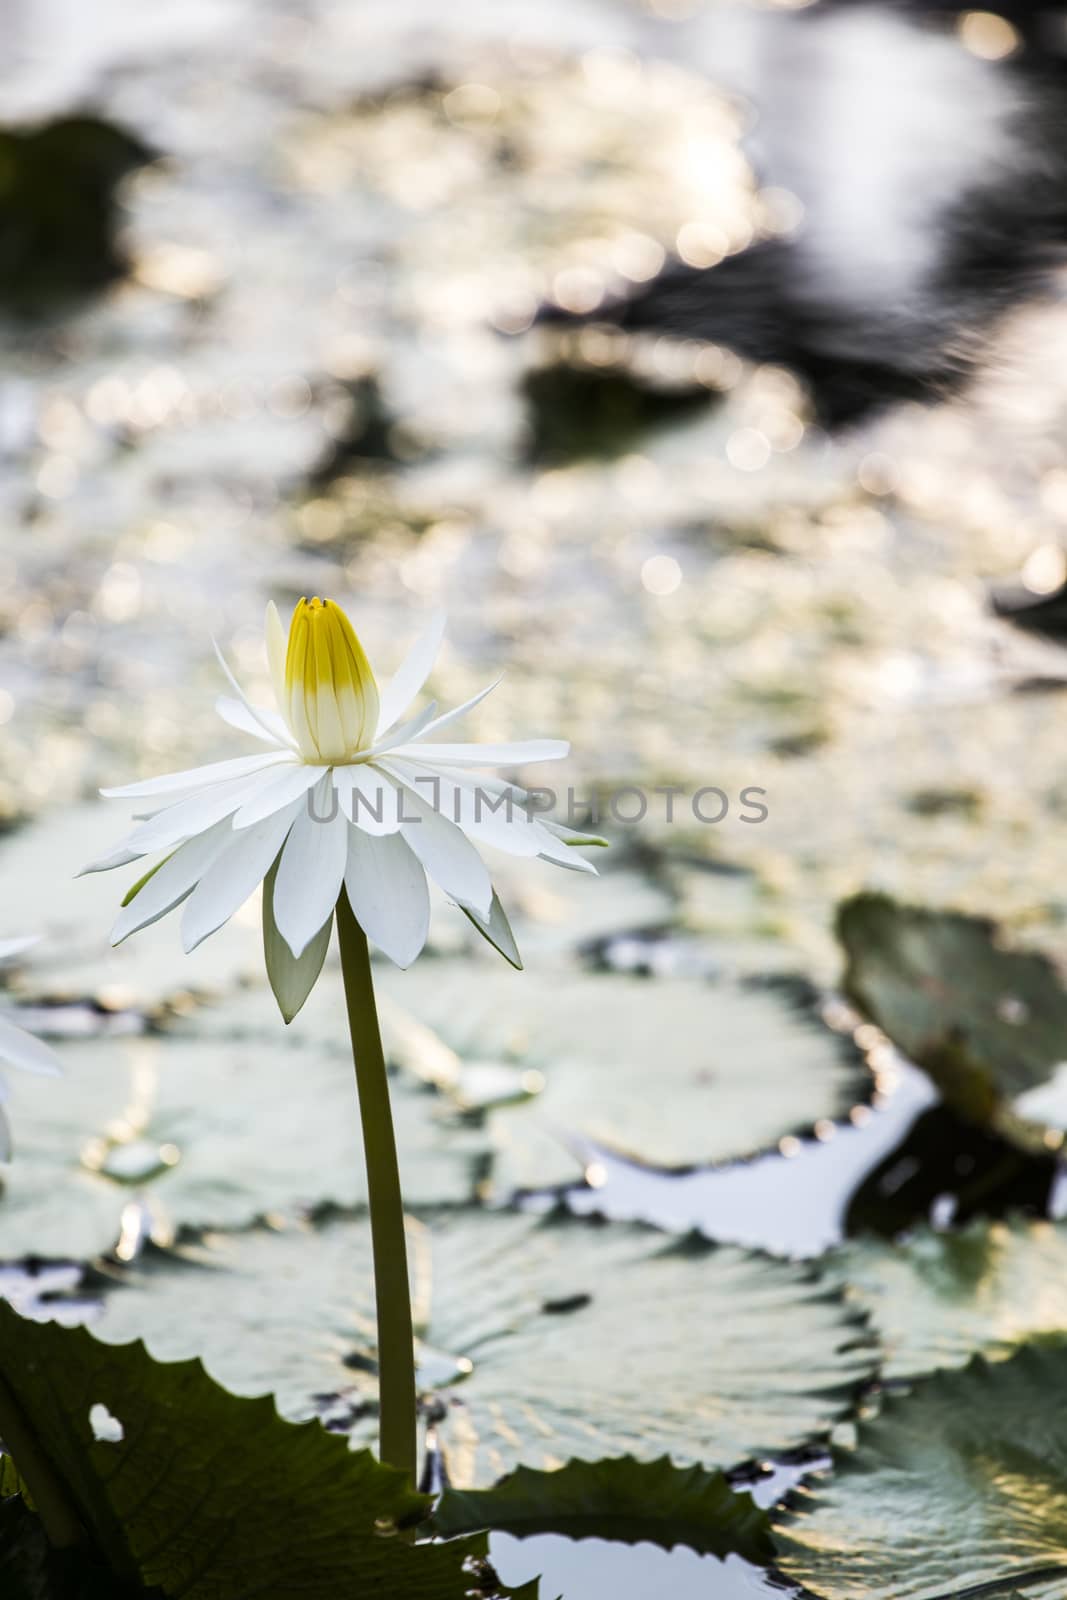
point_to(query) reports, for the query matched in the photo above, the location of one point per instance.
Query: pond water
(742, 537)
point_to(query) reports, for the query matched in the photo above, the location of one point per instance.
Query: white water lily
(351, 792)
(19, 1048)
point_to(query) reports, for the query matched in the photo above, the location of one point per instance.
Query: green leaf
(961, 1482)
(539, 1338)
(622, 1499)
(938, 1298)
(291, 978)
(674, 1072)
(496, 930)
(986, 1023)
(223, 1116)
(205, 1495)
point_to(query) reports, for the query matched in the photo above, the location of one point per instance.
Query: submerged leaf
(960, 1483)
(205, 1495)
(987, 1023)
(622, 1499)
(540, 1339)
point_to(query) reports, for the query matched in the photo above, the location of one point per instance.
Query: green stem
(55, 1507)
(396, 1343)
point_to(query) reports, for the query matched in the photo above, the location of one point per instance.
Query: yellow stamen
(329, 696)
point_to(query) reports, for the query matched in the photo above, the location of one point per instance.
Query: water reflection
(912, 1160)
(910, 169)
(589, 1569)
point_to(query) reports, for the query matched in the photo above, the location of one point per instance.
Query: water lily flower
(342, 816)
(19, 1048)
(351, 790)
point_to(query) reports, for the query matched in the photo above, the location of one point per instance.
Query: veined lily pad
(673, 1072)
(958, 1486)
(226, 1117)
(937, 1298)
(541, 1339)
(170, 1481)
(988, 1024)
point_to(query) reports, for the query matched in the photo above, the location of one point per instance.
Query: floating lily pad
(623, 1500)
(38, 864)
(173, 1482)
(938, 1298)
(541, 1339)
(987, 1023)
(672, 1072)
(228, 1116)
(958, 1485)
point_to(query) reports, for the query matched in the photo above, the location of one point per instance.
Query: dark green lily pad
(622, 1499)
(170, 1481)
(938, 1298)
(540, 1339)
(58, 210)
(960, 1483)
(673, 1072)
(987, 1023)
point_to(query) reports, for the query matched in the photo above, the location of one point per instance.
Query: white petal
(386, 888)
(369, 797)
(6, 1145)
(488, 755)
(15, 947)
(253, 711)
(408, 730)
(119, 857)
(199, 811)
(310, 873)
(176, 878)
(569, 859)
(242, 864)
(196, 777)
(279, 791)
(265, 725)
(20, 1049)
(411, 674)
(276, 648)
(448, 856)
(490, 812)
(461, 711)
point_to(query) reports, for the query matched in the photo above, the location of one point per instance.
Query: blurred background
(709, 363)
(705, 360)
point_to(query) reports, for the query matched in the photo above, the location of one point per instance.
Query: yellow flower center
(326, 689)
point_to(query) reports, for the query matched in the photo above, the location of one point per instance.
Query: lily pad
(960, 1483)
(672, 1072)
(38, 866)
(191, 1489)
(938, 1298)
(540, 1339)
(623, 1499)
(987, 1023)
(224, 1117)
